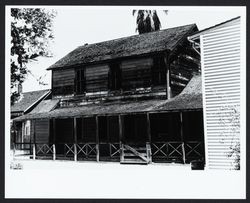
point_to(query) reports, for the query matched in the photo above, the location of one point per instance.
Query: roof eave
(197, 34)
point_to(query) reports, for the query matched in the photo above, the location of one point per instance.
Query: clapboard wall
(63, 82)
(220, 53)
(97, 78)
(136, 73)
(41, 128)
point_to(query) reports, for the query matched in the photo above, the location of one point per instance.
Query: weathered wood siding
(63, 82)
(96, 78)
(221, 69)
(136, 73)
(185, 64)
(41, 131)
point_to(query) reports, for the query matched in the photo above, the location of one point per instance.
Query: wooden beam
(168, 90)
(54, 151)
(75, 140)
(148, 145)
(14, 139)
(34, 140)
(97, 139)
(148, 127)
(182, 139)
(54, 138)
(121, 138)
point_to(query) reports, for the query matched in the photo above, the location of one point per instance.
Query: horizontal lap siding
(131, 70)
(63, 81)
(42, 131)
(221, 70)
(96, 78)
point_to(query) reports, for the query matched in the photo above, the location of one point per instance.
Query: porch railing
(156, 151)
(177, 151)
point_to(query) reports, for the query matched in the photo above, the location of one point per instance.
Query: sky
(75, 26)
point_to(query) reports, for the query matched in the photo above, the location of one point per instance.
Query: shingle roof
(164, 40)
(45, 106)
(189, 99)
(28, 99)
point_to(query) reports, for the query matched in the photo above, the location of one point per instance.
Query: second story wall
(130, 76)
(96, 78)
(136, 73)
(63, 82)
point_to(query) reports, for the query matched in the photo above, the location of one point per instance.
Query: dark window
(80, 81)
(158, 71)
(114, 82)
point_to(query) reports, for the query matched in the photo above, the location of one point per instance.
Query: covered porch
(136, 131)
(142, 138)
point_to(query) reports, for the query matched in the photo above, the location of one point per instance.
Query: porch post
(14, 139)
(168, 90)
(120, 138)
(75, 140)
(34, 140)
(97, 139)
(149, 139)
(54, 138)
(182, 139)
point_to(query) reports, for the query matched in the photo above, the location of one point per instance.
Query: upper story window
(115, 78)
(158, 71)
(80, 81)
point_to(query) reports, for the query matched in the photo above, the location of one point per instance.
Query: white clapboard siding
(220, 53)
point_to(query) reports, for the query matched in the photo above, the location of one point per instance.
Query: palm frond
(133, 12)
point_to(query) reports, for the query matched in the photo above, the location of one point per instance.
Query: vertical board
(221, 69)
(42, 131)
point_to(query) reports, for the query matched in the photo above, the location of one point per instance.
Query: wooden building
(24, 105)
(221, 51)
(136, 99)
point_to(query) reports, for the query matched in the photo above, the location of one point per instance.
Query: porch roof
(189, 99)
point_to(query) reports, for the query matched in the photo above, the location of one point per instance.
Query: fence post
(182, 139)
(75, 152)
(14, 150)
(149, 154)
(54, 151)
(121, 138)
(75, 139)
(34, 151)
(97, 140)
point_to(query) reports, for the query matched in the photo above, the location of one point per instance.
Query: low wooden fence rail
(156, 151)
(177, 151)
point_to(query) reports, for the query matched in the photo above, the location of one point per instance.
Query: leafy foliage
(31, 33)
(147, 20)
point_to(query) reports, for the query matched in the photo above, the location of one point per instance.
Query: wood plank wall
(185, 64)
(42, 131)
(221, 69)
(136, 73)
(63, 81)
(97, 78)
